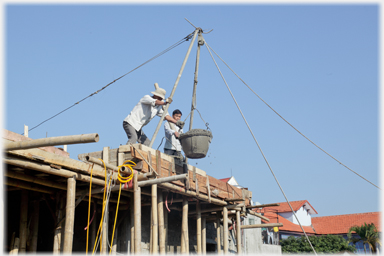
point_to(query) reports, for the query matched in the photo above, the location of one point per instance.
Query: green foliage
(321, 244)
(367, 233)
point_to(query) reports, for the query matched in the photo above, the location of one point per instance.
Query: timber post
(184, 227)
(204, 234)
(225, 225)
(218, 232)
(70, 215)
(238, 232)
(155, 229)
(160, 210)
(23, 221)
(137, 209)
(198, 227)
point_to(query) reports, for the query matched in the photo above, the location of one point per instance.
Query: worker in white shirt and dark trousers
(147, 108)
(172, 132)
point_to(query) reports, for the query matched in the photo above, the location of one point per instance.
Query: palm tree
(367, 233)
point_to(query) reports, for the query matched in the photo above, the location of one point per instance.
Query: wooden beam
(238, 232)
(137, 209)
(225, 226)
(33, 179)
(104, 232)
(218, 232)
(257, 215)
(70, 216)
(184, 227)
(160, 210)
(234, 199)
(261, 206)
(204, 234)
(198, 228)
(266, 225)
(155, 239)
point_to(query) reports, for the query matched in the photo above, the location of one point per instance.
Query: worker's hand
(180, 124)
(177, 134)
(168, 100)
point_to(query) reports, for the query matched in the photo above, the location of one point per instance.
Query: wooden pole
(34, 179)
(23, 221)
(174, 88)
(53, 141)
(225, 225)
(261, 206)
(198, 227)
(184, 227)
(166, 228)
(104, 249)
(93, 231)
(155, 239)
(266, 225)
(132, 225)
(160, 210)
(58, 230)
(218, 232)
(238, 232)
(204, 234)
(137, 208)
(70, 216)
(35, 225)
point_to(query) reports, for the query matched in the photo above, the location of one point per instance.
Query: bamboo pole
(174, 89)
(160, 210)
(184, 227)
(261, 206)
(108, 165)
(218, 208)
(257, 215)
(47, 169)
(132, 226)
(137, 208)
(218, 232)
(104, 249)
(23, 221)
(33, 179)
(52, 141)
(266, 225)
(238, 232)
(58, 229)
(204, 234)
(225, 225)
(155, 239)
(198, 228)
(166, 229)
(182, 191)
(70, 216)
(28, 186)
(93, 230)
(35, 226)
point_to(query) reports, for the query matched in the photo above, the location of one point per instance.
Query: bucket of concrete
(195, 143)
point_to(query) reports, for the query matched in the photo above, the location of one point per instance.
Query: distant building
(335, 225)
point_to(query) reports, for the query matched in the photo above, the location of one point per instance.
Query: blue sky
(316, 65)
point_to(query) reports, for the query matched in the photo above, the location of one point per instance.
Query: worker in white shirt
(143, 113)
(172, 132)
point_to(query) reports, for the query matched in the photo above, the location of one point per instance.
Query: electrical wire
(270, 168)
(96, 92)
(293, 126)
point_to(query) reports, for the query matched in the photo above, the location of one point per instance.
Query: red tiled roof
(287, 225)
(284, 207)
(226, 179)
(340, 224)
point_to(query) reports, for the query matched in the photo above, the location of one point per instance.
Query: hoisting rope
(270, 168)
(293, 126)
(189, 36)
(106, 200)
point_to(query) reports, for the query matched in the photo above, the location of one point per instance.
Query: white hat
(159, 91)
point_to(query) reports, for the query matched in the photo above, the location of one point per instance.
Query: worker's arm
(170, 119)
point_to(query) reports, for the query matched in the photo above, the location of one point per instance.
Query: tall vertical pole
(160, 210)
(184, 227)
(58, 230)
(204, 234)
(155, 231)
(104, 235)
(23, 221)
(137, 209)
(218, 232)
(35, 224)
(198, 227)
(238, 232)
(93, 229)
(166, 228)
(70, 215)
(174, 88)
(225, 225)
(132, 224)
(200, 41)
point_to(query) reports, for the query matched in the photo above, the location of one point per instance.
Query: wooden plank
(266, 225)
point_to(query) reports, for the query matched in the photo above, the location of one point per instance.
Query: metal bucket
(195, 143)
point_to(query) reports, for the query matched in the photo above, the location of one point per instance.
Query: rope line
(96, 92)
(270, 168)
(293, 126)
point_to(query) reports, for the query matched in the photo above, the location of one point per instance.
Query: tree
(321, 244)
(367, 233)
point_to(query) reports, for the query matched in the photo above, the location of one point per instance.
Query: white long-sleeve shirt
(171, 142)
(143, 112)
